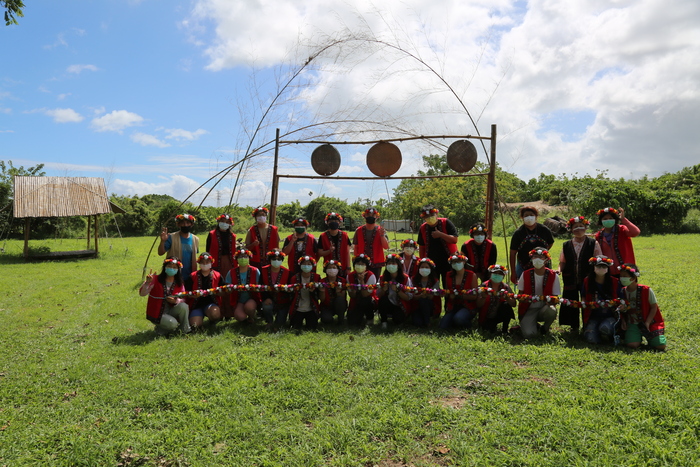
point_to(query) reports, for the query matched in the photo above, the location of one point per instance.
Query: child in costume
(334, 244)
(538, 281)
(261, 237)
(244, 303)
(480, 251)
(370, 240)
(426, 304)
(497, 307)
(615, 238)
(166, 312)
(305, 306)
(643, 318)
(393, 299)
(299, 244)
(334, 297)
(599, 323)
(204, 279)
(275, 303)
(575, 267)
(360, 288)
(410, 260)
(461, 306)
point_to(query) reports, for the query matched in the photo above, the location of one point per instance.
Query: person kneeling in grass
(362, 297)
(643, 318)
(275, 303)
(243, 302)
(599, 323)
(204, 279)
(305, 306)
(334, 298)
(460, 307)
(393, 299)
(165, 311)
(497, 308)
(538, 280)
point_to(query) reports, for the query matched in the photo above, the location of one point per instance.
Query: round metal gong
(461, 156)
(325, 160)
(384, 159)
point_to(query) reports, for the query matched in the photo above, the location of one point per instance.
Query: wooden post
(88, 233)
(491, 184)
(96, 234)
(27, 226)
(275, 181)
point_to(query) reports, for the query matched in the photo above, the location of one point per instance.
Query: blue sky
(156, 96)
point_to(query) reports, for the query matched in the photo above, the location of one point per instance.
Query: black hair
(163, 275)
(607, 284)
(400, 275)
(417, 278)
(357, 259)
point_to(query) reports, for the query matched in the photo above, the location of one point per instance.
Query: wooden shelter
(61, 197)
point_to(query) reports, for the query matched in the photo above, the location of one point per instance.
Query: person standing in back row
(437, 239)
(529, 236)
(261, 238)
(370, 240)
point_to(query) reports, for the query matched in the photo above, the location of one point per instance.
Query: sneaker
(370, 321)
(385, 325)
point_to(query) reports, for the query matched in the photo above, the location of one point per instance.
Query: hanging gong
(384, 159)
(461, 156)
(325, 160)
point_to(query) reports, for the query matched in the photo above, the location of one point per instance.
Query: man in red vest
(437, 239)
(370, 240)
(542, 283)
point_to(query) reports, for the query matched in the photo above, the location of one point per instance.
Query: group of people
(459, 289)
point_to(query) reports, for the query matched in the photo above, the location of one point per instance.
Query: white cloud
(7, 131)
(63, 96)
(77, 69)
(148, 140)
(177, 186)
(5, 110)
(64, 115)
(181, 135)
(98, 111)
(117, 120)
(60, 41)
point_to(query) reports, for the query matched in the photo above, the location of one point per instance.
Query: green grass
(85, 381)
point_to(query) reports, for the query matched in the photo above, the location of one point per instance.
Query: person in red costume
(334, 244)
(275, 303)
(299, 244)
(437, 238)
(334, 298)
(409, 258)
(615, 238)
(481, 252)
(305, 306)
(165, 311)
(261, 238)
(370, 240)
(538, 281)
(244, 303)
(204, 279)
(643, 318)
(221, 244)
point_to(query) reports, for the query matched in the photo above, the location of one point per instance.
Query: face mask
(276, 263)
(529, 220)
(479, 238)
(497, 278)
(409, 251)
(432, 220)
(261, 219)
(333, 225)
(205, 267)
(609, 223)
(331, 272)
(300, 230)
(360, 268)
(243, 261)
(185, 228)
(306, 267)
(224, 225)
(425, 272)
(625, 281)
(457, 266)
(538, 263)
(171, 271)
(600, 270)
(370, 220)
(392, 268)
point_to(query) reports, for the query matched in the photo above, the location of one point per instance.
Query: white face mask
(479, 238)
(409, 251)
(529, 220)
(205, 267)
(538, 263)
(331, 272)
(425, 272)
(276, 263)
(601, 270)
(458, 266)
(360, 268)
(224, 225)
(261, 219)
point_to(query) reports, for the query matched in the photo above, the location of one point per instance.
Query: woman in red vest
(361, 284)
(426, 304)
(299, 244)
(370, 240)
(498, 305)
(221, 244)
(393, 299)
(538, 281)
(305, 303)
(334, 244)
(334, 298)
(275, 303)
(166, 312)
(615, 238)
(204, 279)
(599, 323)
(261, 237)
(244, 302)
(481, 252)
(437, 238)
(643, 318)
(461, 307)
(409, 259)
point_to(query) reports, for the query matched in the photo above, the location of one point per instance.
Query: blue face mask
(392, 268)
(609, 223)
(497, 278)
(171, 271)
(457, 266)
(306, 267)
(276, 263)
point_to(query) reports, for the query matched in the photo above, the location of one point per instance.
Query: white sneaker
(385, 325)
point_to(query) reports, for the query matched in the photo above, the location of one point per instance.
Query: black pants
(300, 316)
(337, 308)
(361, 311)
(568, 315)
(504, 313)
(386, 309)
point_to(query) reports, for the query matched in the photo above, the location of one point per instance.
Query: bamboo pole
(382, 178)
(491, 185)
(88, 232)
(96, 234)
(27, 226)
(389, 140)
(275, 181)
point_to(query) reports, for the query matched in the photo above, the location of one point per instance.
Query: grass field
(85, 381)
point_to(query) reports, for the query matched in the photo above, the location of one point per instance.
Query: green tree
(7, 173)
(12, 8)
